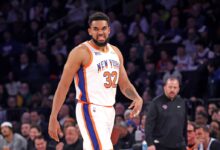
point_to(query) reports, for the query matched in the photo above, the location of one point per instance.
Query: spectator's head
(99, 28)
(69, 122)
(216, 48)
(174, 22)
(211, 107)
(24, 89)
(181, 50)
(121, 37)
(119, 120)
(143, 120)
(200, 46)
(71, 97)
(171, 87)
(131, 68)
(214, 129)
(25, 129)
(191, 135)
(26, 117)
(71, 135)
(200, 108)
(201, 118)
(24, 59)
(170, 65)
(127, 114)
(35, 117)
(119, 108)
(191, 23)
(191, 34)
(215, 115)
(58, 42)
(42, 44)
(164, 55)
(202, 134)
(6, 129)
(133, 53)
(146, 96)
(35, 131)
(40, 143)
(12, 102)
(64, 111)
(46, 89)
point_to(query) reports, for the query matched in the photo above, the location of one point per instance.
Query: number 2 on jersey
(111, 78)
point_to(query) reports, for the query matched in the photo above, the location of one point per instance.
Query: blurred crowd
(157, 38)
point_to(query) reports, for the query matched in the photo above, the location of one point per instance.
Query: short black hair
(171, 77)
(203, 127)
(98, 16)
(39, 137)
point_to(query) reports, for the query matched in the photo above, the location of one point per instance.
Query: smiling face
(99, 30)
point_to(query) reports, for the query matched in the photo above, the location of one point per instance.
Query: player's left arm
(127, 88)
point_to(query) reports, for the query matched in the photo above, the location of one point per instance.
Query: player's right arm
(77, 57)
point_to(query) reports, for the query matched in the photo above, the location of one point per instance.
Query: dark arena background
(156, 37)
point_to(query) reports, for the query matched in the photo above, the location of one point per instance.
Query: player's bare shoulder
(81, 53)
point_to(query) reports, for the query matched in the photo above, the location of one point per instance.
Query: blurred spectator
(13, 112)
(162, 64)
(12, 140)
(3, 95)
(115, 24)
(12, 86)
(183, 61)
(203, 54)
(201, 118)
(173, 35)
(25, 130)
(35, 131)
(213, 79)
(138, 22)
(77, 11)
(37, 121)
(38, 12)
(25, 117)
(119, 109)
(59, 47)
(149, 54)
(72, 140)
(190, 40)
(215, 130)
(191, 136)
(41, 144)
(216, 115)
(22, 70)
(9, 47)
(63, 114)
(3, 115)
(212, 107)
(171, 71)
(24, 96)
(207, 142)
(55, 11)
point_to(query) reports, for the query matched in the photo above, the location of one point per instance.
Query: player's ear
(89, 31)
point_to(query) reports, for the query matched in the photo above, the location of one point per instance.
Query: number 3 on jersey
(111, 78)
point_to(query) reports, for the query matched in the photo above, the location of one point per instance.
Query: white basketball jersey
(97, 82)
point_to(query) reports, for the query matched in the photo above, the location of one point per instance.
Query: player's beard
(101, 44)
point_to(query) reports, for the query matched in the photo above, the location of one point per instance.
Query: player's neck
(100, 48)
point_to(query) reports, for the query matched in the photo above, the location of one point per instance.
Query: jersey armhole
(91, 57)
(113, 48)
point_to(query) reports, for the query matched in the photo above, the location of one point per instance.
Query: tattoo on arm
(130, 93)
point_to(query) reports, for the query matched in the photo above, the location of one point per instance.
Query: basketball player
(97, 68)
